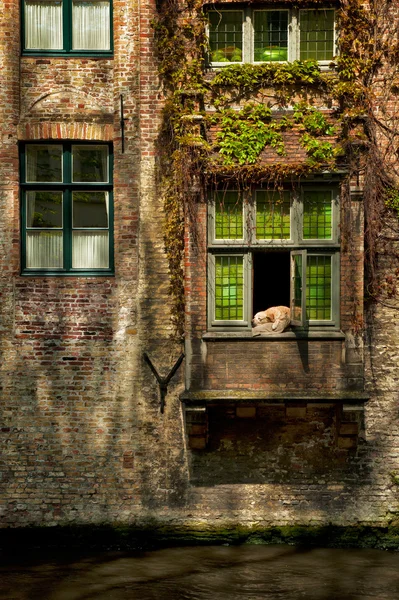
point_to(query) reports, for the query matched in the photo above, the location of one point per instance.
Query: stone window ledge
(287, 335)
(244, 396)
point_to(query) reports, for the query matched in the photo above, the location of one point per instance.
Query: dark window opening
(271, 280)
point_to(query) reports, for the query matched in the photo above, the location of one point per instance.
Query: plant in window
(269, 35)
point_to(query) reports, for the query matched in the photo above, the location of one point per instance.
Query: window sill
(44, 54)
(325, 66)
(286, 335)
(68, 274)
(277, 398)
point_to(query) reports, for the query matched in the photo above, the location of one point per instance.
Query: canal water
(205, 573)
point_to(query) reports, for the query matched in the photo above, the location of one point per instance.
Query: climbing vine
(254, 105)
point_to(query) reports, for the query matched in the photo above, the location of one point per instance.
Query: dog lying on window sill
(275, 319)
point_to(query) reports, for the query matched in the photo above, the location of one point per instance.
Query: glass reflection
(89, 164)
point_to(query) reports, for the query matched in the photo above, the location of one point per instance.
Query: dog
(278, 315)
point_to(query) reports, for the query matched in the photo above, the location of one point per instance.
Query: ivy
(313, 120)
(216, 125)
(250, 77)
(391, 199)
(243, 134)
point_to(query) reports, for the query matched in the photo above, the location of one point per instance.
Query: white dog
(278, 315)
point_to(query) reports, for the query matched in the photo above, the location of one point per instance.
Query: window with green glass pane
(318, 288)
(225, 35)
(273, 216)
(317, 215)
(229, 217)
(316, 34)
(229, 288)
(296, 309)
(271, 35)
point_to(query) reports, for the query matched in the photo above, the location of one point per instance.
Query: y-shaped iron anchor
(163, 381)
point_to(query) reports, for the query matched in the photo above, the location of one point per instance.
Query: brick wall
(82, 438)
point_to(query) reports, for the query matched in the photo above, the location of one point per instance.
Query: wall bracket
(163, 381)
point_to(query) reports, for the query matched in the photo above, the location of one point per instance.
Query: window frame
(248, 33)
(67, 187)
(249, 245)
(67, 50)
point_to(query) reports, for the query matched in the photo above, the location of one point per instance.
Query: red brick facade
(82, 438)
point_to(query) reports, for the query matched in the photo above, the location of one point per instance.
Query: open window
(274, 248)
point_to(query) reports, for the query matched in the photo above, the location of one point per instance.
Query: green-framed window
(58, 27)
(268, 35)
(270, 248)
(66, 208)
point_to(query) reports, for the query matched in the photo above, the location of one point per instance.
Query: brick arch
(68, 98)
(53, 130)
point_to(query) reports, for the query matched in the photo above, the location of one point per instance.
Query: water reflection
(208, 572)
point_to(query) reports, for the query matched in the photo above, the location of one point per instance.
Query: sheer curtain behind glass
(43, 24)
(90, 25)
(90, 248)
(44, 245)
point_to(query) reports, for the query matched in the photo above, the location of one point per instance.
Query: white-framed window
(254, 35)
(274, 248)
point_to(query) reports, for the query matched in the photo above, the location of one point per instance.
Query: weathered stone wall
(82, 438)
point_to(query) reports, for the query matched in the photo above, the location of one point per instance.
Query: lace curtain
(90, 250)
(43, 24)
(44, 250)
(90, 26)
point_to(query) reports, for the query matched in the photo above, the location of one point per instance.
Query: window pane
(229, 288)
(90, 209)
(229, 217)
(43, 24)
(90, 25)
(225, 35)
(317, 216)
(44, 249)
(317, 34)
(44, 209)
(273, 216)
(89, 164)
(318, 288)
(296, 308)
(271, 35)
(43, 163)
(90, 250)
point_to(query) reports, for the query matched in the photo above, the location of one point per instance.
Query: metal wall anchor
(163, 381)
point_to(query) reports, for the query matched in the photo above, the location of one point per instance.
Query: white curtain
(90, 25)
(44, 250)
(43, 24)
(90, 250)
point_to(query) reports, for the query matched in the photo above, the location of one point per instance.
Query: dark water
(208, 572)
